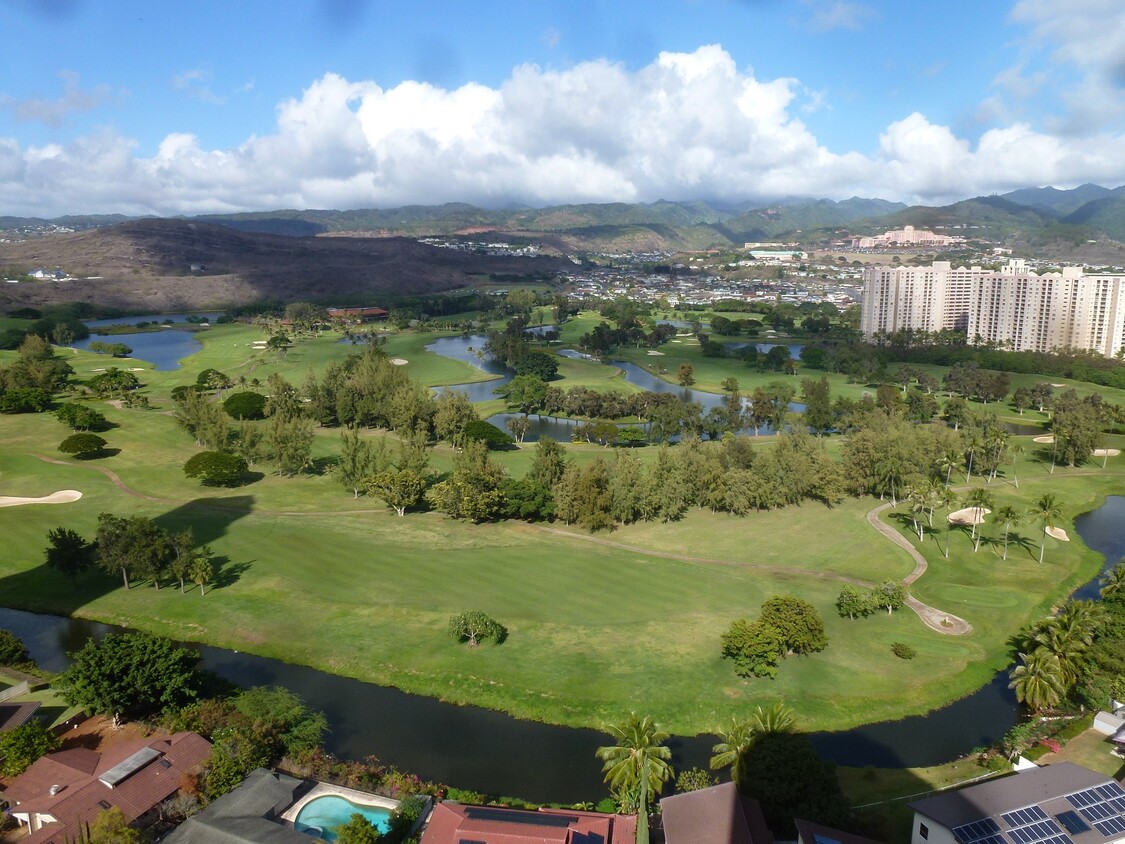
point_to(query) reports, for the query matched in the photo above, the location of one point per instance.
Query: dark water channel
(492, 752)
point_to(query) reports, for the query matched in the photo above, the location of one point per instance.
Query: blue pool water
(324, 814)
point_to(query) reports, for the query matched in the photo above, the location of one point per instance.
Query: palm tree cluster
(1052, 654)
(741, 735)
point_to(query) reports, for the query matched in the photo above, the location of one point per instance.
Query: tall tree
(1046, 510)
(1009, 516)
(355, 462)
(69, 553)
(637, 766)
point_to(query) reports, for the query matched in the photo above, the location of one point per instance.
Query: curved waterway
(470, 350)
(164, 349)
(495, 753)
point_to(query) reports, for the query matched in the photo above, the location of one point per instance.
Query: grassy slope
(595, 630)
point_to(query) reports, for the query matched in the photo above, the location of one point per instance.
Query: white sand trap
(137, 369)
(1058, 385)
(1058, 533)
(98, 370)
(969, 516)
(399, 361)
(652, 353)
(1107, 452)
(63, 496)
(677, 341)
(1047, 439)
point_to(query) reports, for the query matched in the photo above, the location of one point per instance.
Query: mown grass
(596, 630)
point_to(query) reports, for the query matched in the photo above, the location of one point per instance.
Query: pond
(164, 349)
(492, 752)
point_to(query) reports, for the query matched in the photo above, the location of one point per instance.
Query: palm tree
(1046, 509)
(736, 741)
(1038, 681)
(729, 753)
(637, 765)
(1010, 516)
(949, 461)
(980, 499)
(1113, 581)
(972, 443)
(915, 500)
(1014, 452)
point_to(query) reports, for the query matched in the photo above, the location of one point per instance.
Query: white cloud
(687, 126)
(195, 83)
(1085, 41)
(54, 112)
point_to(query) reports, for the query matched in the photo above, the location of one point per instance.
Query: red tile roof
(81, 795)
(454, 823)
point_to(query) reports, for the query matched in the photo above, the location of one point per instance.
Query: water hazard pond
(492, 752)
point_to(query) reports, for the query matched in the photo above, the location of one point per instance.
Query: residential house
(456, 823)
(715, 815)
(1061, 803)
(250, 813)
(62, 792)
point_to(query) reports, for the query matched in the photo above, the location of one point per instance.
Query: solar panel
(1038, 831)
(123, 770)
(1111, 827)
(1097, 812)
(1023, 817)
(1072, 822)
(976, 831)
(1110, 790)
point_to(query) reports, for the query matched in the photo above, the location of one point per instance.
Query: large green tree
(798, 622)
(69, 553)
(130, 675)
(22, 745)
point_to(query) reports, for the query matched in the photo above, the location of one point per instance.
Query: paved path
(932, 617)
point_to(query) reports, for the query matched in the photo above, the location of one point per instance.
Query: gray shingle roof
(246, 814)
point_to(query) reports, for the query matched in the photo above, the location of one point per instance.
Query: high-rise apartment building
(1014, 306)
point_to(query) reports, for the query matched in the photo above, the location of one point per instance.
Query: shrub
(245, 405)
(474, 626)
(695, 779)
(21, 746)
(903, 650)
(216, 468)
(78, 417)
(24, 400)
(487, 433)
(12, 649)
(82, 445)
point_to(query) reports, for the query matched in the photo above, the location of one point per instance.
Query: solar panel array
(985, 831)
(1023, 817)
(1103, 807)
(1031, 825)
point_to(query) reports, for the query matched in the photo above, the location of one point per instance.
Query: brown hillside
(146, 264)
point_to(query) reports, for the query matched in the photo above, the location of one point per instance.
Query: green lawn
(597, 628)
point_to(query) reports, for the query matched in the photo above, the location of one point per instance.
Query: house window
(924, 831)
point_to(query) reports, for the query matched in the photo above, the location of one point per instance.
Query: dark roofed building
(456, 823)
(252, 812)
(358, 314)
(63, 791)
(715, 815)
(1057, 804)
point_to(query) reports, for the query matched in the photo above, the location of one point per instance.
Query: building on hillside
(1057, 804)
(456, 823)
(906, 236)
(63, 792)
(14, 715)
(358, 314)
(1012, 307)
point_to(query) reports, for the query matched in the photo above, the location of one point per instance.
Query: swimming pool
(322, 815)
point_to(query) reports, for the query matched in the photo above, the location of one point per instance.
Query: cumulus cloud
(686, 126)
(53, 112)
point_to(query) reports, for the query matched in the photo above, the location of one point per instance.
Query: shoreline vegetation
(374, 592)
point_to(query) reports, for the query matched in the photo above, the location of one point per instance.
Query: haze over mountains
(1031, 213)
(348, 255)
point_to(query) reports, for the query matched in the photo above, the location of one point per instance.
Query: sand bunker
(1058, 533)
(137, 369)
(1058, 385)
(399, 361)
(63, 496)
(1107, 452)
(1047, 439)
(652, 353)
(969, 516)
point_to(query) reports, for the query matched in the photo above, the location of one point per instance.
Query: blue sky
(193, 107)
